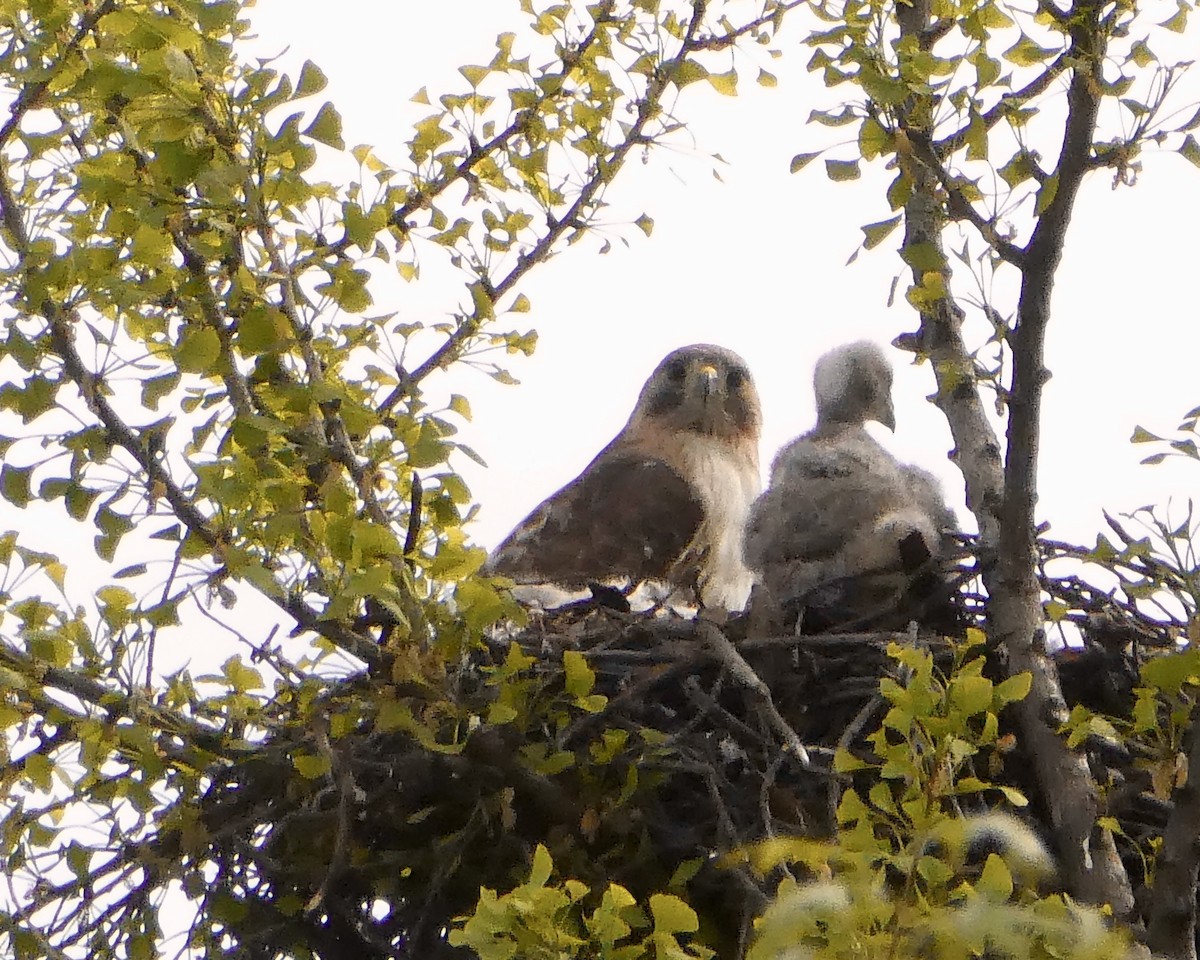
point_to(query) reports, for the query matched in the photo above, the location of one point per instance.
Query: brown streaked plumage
(666, 500)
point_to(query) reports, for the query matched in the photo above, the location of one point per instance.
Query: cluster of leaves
(937, 733)
(968, 89)
(196, 363)
(920, 866)
(959, 98)
(539, 920)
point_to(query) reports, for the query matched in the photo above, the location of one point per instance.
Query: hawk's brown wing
(624, 516)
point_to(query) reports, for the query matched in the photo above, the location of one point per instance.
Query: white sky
(757, 263)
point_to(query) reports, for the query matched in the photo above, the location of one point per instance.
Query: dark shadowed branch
(1171, 931)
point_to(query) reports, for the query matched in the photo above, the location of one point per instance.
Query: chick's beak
(888, 416)
(708, 380)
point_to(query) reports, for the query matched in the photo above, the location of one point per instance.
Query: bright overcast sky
(758, 263)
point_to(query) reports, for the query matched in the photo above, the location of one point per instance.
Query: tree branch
(606, 171)
(960, 208)
(1172, 927)
(1090, 862)
(1002, 499)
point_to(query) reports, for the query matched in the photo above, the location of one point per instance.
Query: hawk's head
(703, 389)
(853, 384)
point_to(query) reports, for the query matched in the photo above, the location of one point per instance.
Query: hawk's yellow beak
(708, 379)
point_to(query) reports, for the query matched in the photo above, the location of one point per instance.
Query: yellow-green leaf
(311, 766)
(199, 348)
(802, 160)
(1026, 53)
(875, 233)
(672, 915)
(873, 139)
(724, 83)
(840, 170)
(312, 80)
(1190, 150)
(995, 882)
(326, 127)
(1178, 23)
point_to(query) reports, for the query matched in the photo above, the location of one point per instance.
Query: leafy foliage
(908, 875)
(536, 920)
(198, 366)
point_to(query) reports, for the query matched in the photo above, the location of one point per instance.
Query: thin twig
(726, 653)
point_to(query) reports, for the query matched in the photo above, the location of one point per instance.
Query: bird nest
(636, 747)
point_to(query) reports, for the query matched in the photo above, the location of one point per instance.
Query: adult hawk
(845, 536)
(666, 500)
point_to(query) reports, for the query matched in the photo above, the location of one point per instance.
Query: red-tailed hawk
(667, 500)
(845, 536)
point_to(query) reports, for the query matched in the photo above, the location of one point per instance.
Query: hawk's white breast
(727, 483)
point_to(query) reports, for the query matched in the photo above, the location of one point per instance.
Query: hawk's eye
(734, 379)
(676, 370)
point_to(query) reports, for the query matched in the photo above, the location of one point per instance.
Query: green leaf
(840, 170)
(689, 71)
(579, 677)
(873, 139)
(311, 81)
(802, 160)
(827, 119)
(993, 18)
(977, 138)
(766, 79)
(117, 599)
(38, 770)
(1055, 610)
(326, 127)
(875, 233)
(1178, 23)
(1015, 688)
(724, 83)
(1171, 672)
(15, 484)
(1190, 150)
(475, 75)
(645, 224)
(846, 762)
(199, 348)
(1026, 53)
(1142, 435)
(672, 915)
(1046, 194)
(263, 329)
(1141, 54)
(542, 867)
(923, 256)
(1012, 795)
(995, 882)
(155, 388)
(311, 766)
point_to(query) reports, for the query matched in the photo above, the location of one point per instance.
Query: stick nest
(376, 809)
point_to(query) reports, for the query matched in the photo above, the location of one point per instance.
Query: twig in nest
(849, 735)
(341, 843)
(727, 654)
(707, 704)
